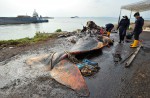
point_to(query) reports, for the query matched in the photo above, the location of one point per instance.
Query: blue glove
(88, 62)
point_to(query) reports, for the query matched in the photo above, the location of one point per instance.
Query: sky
(65, 8)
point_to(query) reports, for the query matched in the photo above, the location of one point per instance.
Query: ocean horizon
(17, 31)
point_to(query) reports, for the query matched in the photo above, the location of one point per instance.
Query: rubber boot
(132, 44)
(119, 42)
(108, 34)
(135, 44)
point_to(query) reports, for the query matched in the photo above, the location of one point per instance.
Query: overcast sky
(65, 8)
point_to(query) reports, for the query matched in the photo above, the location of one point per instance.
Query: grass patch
(58, 30)
(27, 41)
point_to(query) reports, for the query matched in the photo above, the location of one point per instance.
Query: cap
(126, 17)
(137, 14)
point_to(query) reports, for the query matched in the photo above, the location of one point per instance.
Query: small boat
(74, 17)
(48, 17)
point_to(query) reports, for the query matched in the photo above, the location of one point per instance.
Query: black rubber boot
(119, 42)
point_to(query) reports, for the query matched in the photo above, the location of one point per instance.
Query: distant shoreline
(17, 31)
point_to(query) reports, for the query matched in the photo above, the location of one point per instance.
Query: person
(123, 26)
(137, 29)
(109, 27)
(101, 30)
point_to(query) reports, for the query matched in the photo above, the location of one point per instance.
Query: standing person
(137, 30)
(123, 26)
(109, 27)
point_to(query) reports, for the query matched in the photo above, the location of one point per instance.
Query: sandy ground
(19, 80)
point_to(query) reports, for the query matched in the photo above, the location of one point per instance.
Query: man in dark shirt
(137, 30)
(123, 26)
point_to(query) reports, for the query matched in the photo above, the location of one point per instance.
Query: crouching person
(137, 30)
(109, 28)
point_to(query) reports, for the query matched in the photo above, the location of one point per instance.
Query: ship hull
(22, 20)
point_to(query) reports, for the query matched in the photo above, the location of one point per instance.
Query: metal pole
(130, 14)
(119, 16)
(133, 57)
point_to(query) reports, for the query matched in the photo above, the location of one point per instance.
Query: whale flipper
(69, 75)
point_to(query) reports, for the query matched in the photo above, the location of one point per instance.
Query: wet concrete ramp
(112, 81)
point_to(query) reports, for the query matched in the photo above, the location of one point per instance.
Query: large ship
(23, 19)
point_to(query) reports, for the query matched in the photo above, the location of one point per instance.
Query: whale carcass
(64, 70)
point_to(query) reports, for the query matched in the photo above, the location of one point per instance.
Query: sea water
(18, 31)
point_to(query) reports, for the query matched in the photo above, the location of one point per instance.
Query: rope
(86, 70)
(52, 55)
(72, 58)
